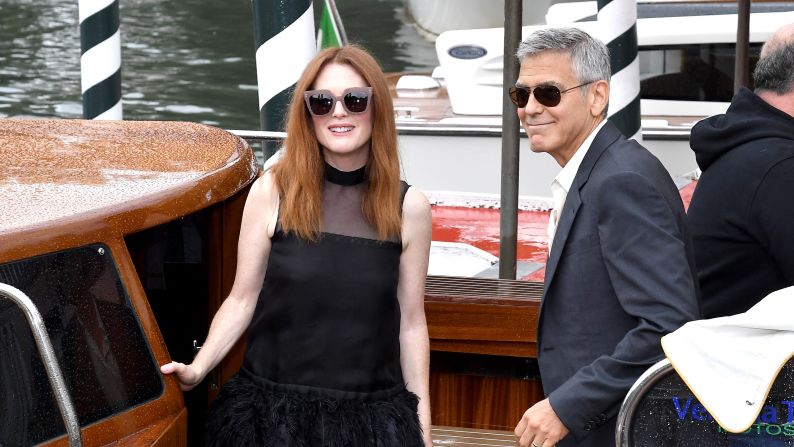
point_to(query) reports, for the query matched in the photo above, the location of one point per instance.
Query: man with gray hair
(743, 207)
(620, 272)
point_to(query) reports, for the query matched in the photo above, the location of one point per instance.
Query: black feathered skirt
(251, 411)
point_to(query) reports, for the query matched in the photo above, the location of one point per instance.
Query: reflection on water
(188, 60)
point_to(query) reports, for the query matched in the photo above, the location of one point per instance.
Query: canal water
(184, 60)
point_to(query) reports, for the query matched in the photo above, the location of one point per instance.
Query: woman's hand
(234, 315)
(188, 375)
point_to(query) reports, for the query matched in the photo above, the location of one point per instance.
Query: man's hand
(540, 427)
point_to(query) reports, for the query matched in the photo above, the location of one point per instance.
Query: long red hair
(300, 171)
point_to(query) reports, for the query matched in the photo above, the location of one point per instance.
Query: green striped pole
(618, 23)
(100, 59)
(284, 34)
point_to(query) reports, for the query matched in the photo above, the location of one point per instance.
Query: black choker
(345, 178)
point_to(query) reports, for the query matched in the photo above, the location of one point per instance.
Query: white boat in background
(432, 18)
(451, 120)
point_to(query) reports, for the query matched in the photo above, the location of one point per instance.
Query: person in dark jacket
(620, 273)
(742, 211)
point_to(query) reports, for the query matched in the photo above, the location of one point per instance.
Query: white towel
(730, 363)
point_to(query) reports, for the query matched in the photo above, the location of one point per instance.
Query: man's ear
(599, 97)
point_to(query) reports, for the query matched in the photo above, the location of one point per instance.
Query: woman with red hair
(331, 268)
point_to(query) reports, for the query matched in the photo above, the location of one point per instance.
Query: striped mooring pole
(100, 59)
(285, 43)
(618, 24)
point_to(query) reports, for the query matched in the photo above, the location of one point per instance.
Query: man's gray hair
(589, 56)
(775, 70)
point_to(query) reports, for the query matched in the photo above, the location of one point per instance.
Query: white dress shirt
(564, 180)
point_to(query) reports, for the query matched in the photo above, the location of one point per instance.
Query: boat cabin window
(697, 72)
(106, 362)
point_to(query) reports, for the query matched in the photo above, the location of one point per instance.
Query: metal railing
(48, 358)
(632, 401)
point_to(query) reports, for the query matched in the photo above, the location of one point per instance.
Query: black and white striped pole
(100, 59)
(285, 43)
(618, 23)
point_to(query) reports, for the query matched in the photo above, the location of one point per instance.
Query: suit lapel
(605, 137)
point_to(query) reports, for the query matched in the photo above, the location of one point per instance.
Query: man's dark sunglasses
(547, 95)
(322, 102)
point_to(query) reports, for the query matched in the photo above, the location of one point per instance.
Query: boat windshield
(104, 358)
(694, 72)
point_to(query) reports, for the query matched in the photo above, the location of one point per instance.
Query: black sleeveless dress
(322, 367)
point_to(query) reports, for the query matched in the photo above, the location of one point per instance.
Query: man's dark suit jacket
(620, 275)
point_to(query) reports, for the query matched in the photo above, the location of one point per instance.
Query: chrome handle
(50, 361)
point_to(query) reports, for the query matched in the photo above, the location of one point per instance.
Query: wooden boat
(124, 236)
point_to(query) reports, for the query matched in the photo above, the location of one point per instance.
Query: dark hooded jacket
(742, 212)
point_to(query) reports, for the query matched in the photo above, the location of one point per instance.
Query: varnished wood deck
(469, 437)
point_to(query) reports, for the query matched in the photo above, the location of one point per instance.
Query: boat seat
(471, 437)
(660, 410)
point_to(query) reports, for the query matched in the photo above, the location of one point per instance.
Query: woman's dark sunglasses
(322, 102)
(547, 95)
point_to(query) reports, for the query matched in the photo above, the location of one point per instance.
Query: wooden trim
(483, 316)
(492, 403)
(232, 216)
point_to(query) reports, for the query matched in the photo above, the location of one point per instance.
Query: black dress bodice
(328, 315)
